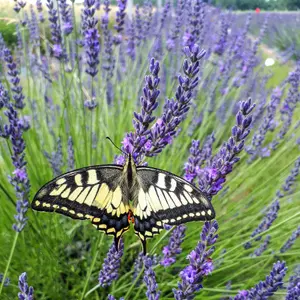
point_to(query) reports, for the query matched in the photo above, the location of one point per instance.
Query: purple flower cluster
(34, 31)
(58, 50)
(120, 20)
(198, 157)
(288, 106)
(220, 46)
(138, 142)
(150, 280)
(293, 289)
(39, 7)
(270, 217)
(290, 242)
(200, 265)
(267, 124)
(173, 248)
(264, 289)
(171, 41)
(66, 16)
(13, 73)
(71, 159)
(6, 281)
(56, 159)
(214, 175)
(111, 265)
(91, 37)
(291, 179)
(263, 247)
(26, 291)
(175, 111)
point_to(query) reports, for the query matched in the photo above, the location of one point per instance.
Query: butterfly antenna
(115, 145)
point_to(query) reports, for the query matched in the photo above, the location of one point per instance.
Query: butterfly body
(113, 196)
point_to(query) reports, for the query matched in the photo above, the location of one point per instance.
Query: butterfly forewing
(165, 198)
(96, 193)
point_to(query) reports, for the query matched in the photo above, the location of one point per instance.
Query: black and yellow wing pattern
(94, 193)
(165, 198)
(111, 196)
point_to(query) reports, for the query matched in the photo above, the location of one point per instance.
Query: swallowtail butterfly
(112, 196)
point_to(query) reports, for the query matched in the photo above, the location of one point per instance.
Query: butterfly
(113, 196)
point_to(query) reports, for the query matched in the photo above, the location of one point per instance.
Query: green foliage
(8, 31)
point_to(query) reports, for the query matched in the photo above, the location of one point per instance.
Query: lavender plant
(65, 87)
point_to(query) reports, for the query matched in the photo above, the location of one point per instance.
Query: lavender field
(182, 88)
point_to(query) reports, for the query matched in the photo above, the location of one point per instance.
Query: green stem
(9, 260)
(99, 242)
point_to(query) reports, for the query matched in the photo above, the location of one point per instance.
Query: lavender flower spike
(26, 291)
(200, 263)
(290, 242)
(264, 289)
(173, 247)
(211, 179)
(120, 20)
(293, 290)
(262, 247)
(111, 265)
(150, 280)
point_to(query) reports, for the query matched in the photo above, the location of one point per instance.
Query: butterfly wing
(165, 198)
(96, 193)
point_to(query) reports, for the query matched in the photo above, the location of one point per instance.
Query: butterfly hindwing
(95, 193)
(165, 198)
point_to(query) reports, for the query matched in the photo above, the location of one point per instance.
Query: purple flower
(173, 248)
(66, 16)
(221, 44)
(200, 263)
(266, 125)
(26, 291)
(290, 242)
(175, 111)
(171, 41)
(56, 159)
(39, 7)
(265, 289)
(34, 32)
(111, 265)
(71, 159)
(262, 247)
(293, 290)
(14, 79)
(6, 280)
(150, 280)
(131, 41)
(270, 217)
(58, 50)
(90, 104)
(212, 179)
(120, 18)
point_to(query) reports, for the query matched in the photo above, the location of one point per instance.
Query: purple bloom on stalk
(138, 142)
(26, 291)
(262, 247)
(290, 242)
(120, 20)
(293, 290)
(91, 37)
(56, 159)
(211, 182)
(66, 16)
(220, 46)
(150, 280)
(71, 159)
(90, 104)
(200, 263)
(267, 124)
(171, 41)
(131, 41)
(111, 265)
(175, 111)
(34, 32)
(13, 72)
(265, 289)
(39, 7)
(173, 248)
(6, 281)
(270, 217)
(291, 179)
(58, 49)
